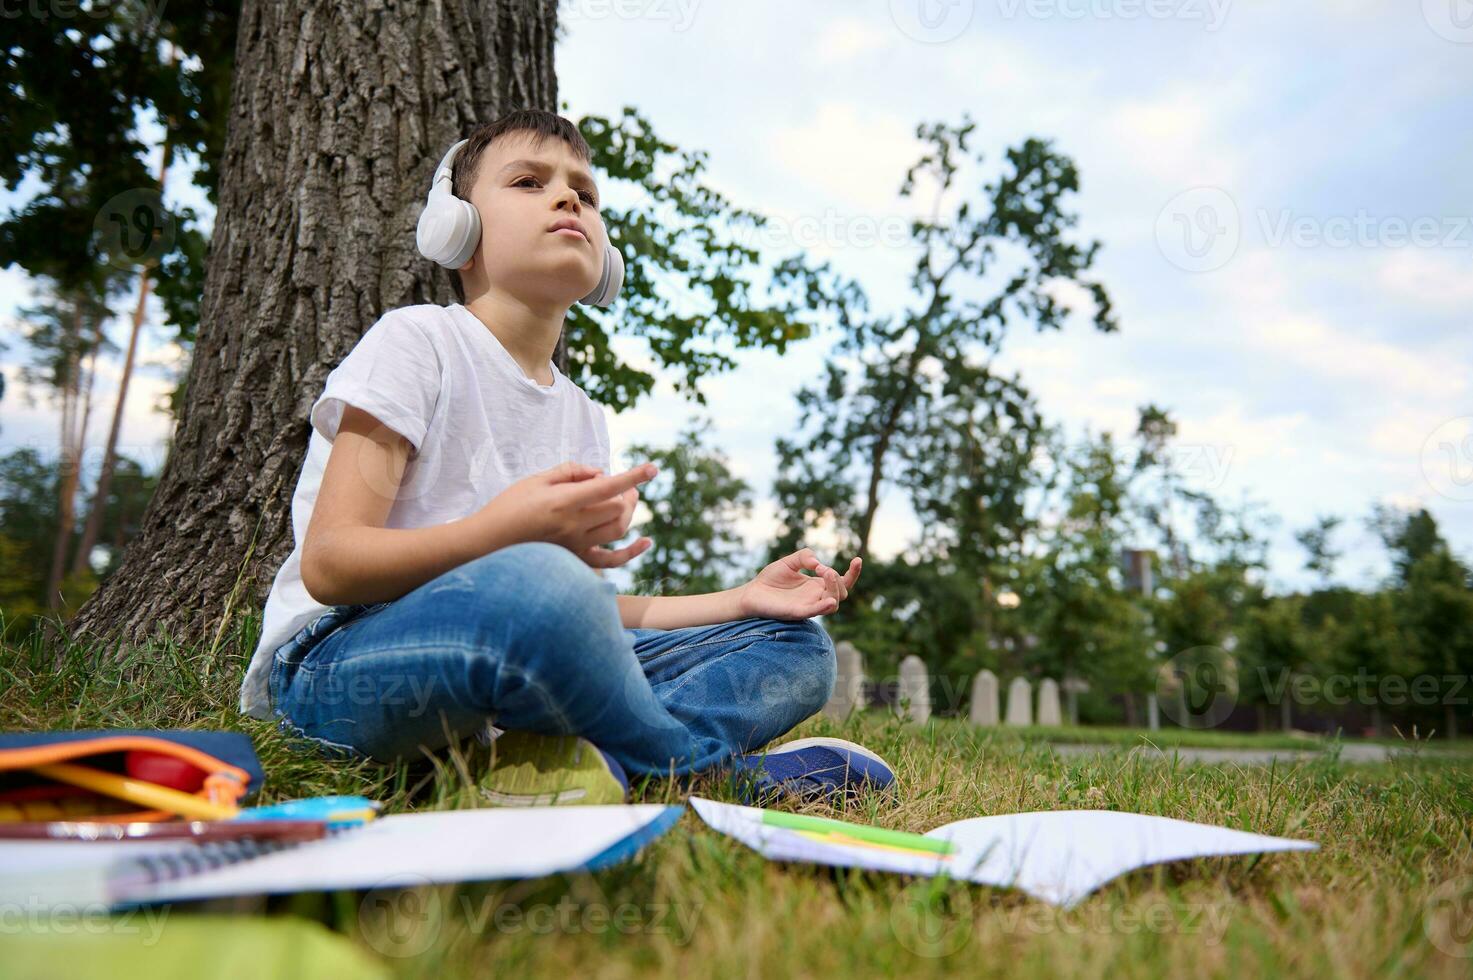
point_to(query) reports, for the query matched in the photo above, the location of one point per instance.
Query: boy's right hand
(575, 506)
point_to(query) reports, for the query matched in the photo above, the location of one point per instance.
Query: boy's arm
(348, 556)
(668, 612)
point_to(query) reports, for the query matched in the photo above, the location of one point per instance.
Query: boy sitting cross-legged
(450, 519)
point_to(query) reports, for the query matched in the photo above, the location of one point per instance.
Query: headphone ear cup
(449, 230)
(610, 282)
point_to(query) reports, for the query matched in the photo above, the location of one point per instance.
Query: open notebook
(1059, 856)
(394, 851)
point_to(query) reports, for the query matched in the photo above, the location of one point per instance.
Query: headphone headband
(444, 171)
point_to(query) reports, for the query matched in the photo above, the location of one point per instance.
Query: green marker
(874, 835)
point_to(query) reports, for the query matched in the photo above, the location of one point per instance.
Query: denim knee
(815, 664)
(559, 596)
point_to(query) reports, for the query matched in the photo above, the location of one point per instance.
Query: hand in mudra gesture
(782, 591)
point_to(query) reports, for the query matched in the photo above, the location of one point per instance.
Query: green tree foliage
(694, 504)
(692, 284)
(71, 92)
(1075, 600)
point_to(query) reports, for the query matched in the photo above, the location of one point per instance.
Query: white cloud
(1331, 353)
(851, 38)
(1429, 279)
(850, 157)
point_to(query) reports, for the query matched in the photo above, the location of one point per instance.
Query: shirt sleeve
(393, 373)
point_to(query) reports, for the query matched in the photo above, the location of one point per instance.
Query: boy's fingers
(603, 512)
(573, 470)
(804, 558)
(606, 558)
(601, 487)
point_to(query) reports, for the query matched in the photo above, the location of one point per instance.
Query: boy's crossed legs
(530, 638)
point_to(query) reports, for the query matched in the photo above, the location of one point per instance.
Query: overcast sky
(1282, 192)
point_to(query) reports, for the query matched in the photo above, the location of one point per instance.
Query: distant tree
(28, 505)
(1437, 615)
(914, 398)
(1320, 552)
(1075, 600)
(694, 504)
(1274, 648)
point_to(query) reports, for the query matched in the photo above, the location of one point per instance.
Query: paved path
(1350, 752)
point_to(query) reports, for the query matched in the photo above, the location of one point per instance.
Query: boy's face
(523, 192)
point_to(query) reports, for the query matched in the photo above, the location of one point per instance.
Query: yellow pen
(136, 791)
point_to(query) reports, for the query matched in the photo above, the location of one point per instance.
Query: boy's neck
(529, 333)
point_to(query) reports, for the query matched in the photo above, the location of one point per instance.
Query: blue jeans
(528, 637)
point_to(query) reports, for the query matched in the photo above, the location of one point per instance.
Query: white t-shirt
(478, 423)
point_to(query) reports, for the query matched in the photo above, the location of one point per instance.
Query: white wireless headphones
(449, 229)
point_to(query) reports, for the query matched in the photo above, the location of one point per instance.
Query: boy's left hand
(782, 591)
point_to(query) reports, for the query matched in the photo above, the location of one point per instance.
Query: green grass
(1395, 868)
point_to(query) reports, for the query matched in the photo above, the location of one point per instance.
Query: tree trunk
(339, 113)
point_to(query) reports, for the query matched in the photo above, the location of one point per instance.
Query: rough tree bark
(339, 112)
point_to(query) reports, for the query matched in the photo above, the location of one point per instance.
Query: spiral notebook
(402, 850)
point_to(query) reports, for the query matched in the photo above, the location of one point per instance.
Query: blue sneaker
(810, 768)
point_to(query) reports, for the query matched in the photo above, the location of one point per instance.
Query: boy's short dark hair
(539, 123)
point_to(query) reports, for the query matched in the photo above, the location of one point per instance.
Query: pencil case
(218, 767)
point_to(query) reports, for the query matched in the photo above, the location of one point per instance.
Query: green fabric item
(549, 770)
(156, 944)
